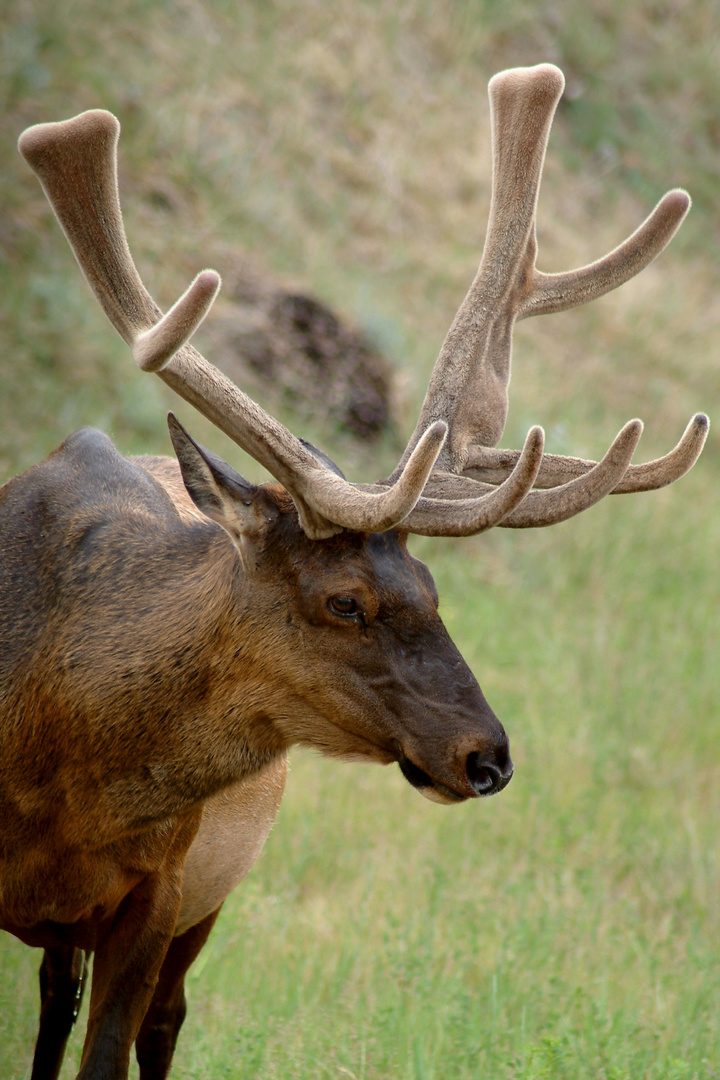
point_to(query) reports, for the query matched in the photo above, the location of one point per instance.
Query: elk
(168, 629)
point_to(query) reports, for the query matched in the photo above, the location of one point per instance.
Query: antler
(469, 384)
(440, 486)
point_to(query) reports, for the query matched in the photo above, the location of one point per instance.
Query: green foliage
(569, 928)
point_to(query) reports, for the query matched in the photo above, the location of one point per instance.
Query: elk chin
(429, 788)
(438, 793)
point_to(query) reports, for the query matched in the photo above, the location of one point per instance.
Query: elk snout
(480, 773)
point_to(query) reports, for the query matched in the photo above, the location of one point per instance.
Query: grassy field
(568, 929)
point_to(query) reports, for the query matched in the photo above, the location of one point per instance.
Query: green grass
(569, 928)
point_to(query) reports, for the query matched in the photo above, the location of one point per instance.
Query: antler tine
(558, 292)
(542, 508)
(76, 162)
(492, 466)
(470, 516)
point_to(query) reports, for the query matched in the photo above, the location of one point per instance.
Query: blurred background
(332, 162)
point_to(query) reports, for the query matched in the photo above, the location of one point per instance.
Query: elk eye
(344, 606)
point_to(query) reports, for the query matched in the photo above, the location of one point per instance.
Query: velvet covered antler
(450, 480)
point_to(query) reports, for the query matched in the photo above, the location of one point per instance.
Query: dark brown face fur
(362, 659)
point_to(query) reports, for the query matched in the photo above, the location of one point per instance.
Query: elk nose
(489, 773)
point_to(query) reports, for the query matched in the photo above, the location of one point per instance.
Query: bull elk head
(316, 626)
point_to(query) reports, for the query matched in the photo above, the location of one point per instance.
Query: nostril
(485, 777)
(503, 759)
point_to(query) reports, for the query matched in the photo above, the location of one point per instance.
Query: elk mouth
(484, 778)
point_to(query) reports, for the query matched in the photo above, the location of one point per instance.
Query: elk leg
(129, 954)
(62, 975)
(155, 1044)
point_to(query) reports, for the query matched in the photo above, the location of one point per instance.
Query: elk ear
(326, 461)
(216, 489)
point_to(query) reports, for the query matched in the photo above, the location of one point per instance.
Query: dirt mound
(295, 349)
